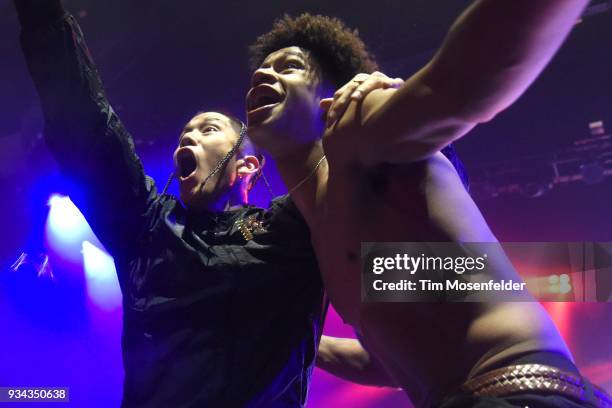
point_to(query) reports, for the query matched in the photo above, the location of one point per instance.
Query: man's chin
(198, 198)
(264, 116)
(195, 202)
(189, 194)
(187, 199)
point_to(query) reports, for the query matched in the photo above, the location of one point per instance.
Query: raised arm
(491, 55)
(93, 149)
(347, 359)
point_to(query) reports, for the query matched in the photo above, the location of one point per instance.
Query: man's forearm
(496, 49)
(347, 359)
(493, 52)
(82, 131)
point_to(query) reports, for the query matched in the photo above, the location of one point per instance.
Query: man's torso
(214, 319)
(429, 348)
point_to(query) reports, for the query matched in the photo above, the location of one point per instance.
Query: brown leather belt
(538, 378)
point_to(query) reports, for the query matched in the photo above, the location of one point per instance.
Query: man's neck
(224, 202)
(219, 206)
(304, 171)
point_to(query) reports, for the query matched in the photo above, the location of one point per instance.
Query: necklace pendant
(248, 226)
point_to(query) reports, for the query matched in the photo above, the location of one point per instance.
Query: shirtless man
(384, 172)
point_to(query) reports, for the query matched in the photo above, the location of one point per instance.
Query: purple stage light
(101, 278)
(66, 228)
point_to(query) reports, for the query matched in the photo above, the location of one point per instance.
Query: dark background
(161, 61)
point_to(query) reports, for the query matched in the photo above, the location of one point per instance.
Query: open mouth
(262, 96)
(186, 162)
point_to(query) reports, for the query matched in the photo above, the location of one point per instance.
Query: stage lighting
(554, 283)
(564, 284)
(597, 128)
(101, 278)
(66, 226)
(559, 284)
(536, 189)
(592, 173)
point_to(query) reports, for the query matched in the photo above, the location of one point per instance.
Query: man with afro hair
(373, 171)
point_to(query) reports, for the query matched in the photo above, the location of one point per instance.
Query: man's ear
(248, 165)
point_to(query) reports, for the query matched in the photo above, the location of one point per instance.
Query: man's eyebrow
(286, 54)
(210, 120)
(296, 54)
(204, 122)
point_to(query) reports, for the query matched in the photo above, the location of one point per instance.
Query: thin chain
(170, 178)
(267, 183)
(228, 156)
(305, 179)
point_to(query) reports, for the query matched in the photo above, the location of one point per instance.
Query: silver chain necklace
(305, 179)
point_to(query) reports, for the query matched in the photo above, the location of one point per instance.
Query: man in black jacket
(222, 301)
